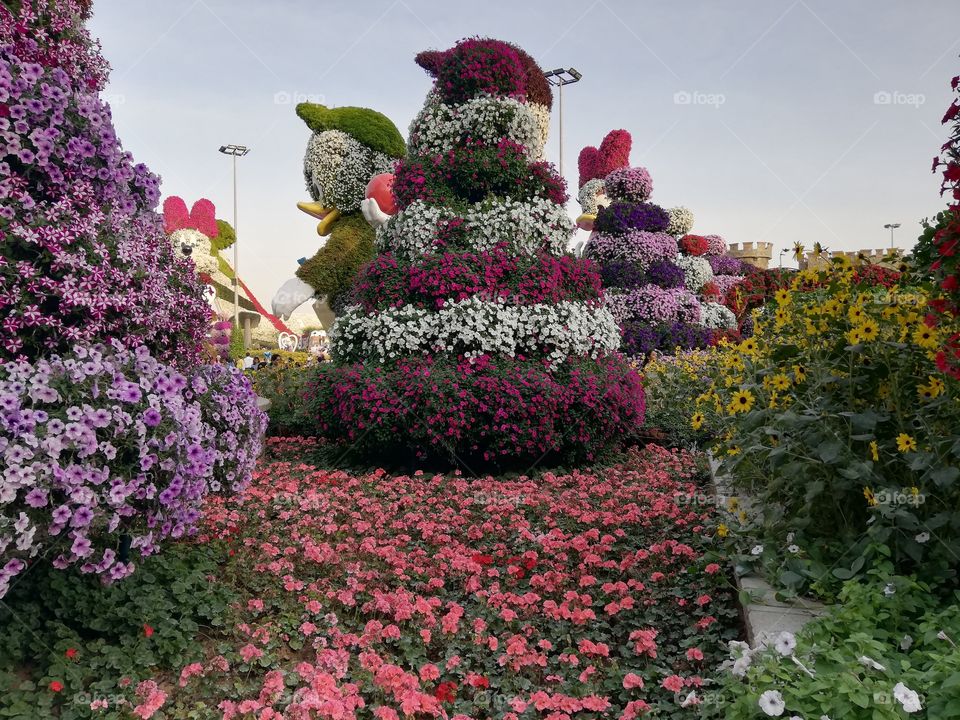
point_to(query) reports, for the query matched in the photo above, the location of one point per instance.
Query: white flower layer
(439, 127)
(717, 317)
(525, 227)
(474, 327)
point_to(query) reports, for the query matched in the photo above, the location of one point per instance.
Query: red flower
(147, 630)
(481, 559)
(56, 686)
(446, 692)
(71, 653)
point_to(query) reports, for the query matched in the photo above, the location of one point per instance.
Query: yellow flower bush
(834, 418)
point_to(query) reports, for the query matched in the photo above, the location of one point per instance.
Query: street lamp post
(236, 151)
(558, 78)
(781, 257)
(892, 227)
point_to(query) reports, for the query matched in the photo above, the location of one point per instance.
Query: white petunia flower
(794, 549)
(908, 698)
(691, 699)
(922, 537)
(906, 643)
(756, 550)
(771, 702)
(785, 643)
(870, 663)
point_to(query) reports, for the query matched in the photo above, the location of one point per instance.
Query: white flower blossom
(906, 643)
(337, 168)
(870, 663)
(908, 698)
(756, 550)
(681, 221)
(525, 227)
(785, 643)
(771, 702)
(716, 316)
(696, 271)
(474, 327)
(922, 537)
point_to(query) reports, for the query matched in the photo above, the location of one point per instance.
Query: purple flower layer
(631, 183)
(622, 217)
(654, 305)
(726, 265)
(639, 247)
(106, 441)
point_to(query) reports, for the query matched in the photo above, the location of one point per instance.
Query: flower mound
(486, 409)
(109, 442)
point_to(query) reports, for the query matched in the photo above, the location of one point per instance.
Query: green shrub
(848, 663)
(226, 236)
(283, 386)
(236, 343)
(68, 628)
(332, 270)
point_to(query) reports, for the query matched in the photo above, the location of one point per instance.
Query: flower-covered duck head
(349, 147)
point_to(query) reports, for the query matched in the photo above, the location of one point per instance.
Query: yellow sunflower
(905, 443)
(741, 402)
(869, 330)
(874, 452)
(780, 381)
(696, 422)
(925, 337)
(782, 297)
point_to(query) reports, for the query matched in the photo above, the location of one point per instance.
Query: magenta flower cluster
(52, 35)
(484, 409)
(494, 274)
(632, 184)
(636, 246)
(480, 67)
(111, 432)
(105, 442)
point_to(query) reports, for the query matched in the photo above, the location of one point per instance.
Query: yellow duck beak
(585, 221)
(326, 215)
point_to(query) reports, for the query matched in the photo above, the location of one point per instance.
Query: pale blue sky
(784, 137)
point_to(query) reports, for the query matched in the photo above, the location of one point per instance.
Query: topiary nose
(186, 249)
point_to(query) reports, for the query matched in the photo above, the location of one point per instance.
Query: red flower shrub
(480, 67)
(694, 244)
(613, 153)
(473, 172)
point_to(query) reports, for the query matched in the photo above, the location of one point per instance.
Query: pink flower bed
(587, 594)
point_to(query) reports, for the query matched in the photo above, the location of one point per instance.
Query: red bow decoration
(201, 217)
(614, 153)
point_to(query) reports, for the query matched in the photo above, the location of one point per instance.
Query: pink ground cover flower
(406, 581)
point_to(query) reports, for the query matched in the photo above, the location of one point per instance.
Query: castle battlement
(874, 256)
(756, 253)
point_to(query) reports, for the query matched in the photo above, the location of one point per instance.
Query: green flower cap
(366, 126)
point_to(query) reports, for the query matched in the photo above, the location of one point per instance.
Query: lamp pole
(235, 151)
(892, 227)
(558, 78)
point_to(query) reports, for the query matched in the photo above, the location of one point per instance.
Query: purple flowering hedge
(111, 430)
(107, 442)
(82, 254)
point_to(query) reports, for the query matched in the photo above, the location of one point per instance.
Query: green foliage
(226, 236)
(283, 385)
(892, 621)
(237, 350)
(333, 269)
(369, 127)
(51, 614)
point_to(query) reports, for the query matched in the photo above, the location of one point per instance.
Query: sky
(772, 120)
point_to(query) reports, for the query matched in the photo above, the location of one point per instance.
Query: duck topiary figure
(347, 170)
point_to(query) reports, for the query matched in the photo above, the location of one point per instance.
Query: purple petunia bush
(655, 305)
(629, 183)
(106, 442)
(82, 254)
(111, 432)
(637, 246)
